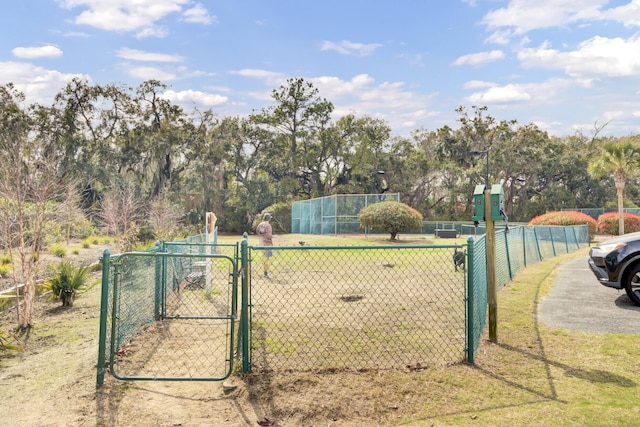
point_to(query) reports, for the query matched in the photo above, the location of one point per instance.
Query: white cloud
(38, 84)
(149, 73)
(628, 14)
(594, 58)
(190, 98)
(346, 47)
(522, 16)
(361, 95)
(37, 52)
(527, 15)
(140, 16)
(479, 58)
(511, 93)
(140, 55)
(500, 94)
(199, 15)
(473, 84)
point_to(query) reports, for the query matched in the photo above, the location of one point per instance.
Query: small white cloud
(501, 37)
(474, 84)
(271, 78)
(500, 94)
(346, 47)
(194, 97)
(199, 15)
(549, 90)
(479, 58)
(140, 55)
(157, 31)
(37, 52)
(149, 73)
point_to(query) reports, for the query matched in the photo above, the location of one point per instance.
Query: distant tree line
(131, 155)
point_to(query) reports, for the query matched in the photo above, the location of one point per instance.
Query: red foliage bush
(566, 218)
(608, 223)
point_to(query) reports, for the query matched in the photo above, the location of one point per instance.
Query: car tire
(632, 285)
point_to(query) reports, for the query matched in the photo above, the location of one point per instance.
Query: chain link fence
(169, 312)
(172, 312)
(357, 307)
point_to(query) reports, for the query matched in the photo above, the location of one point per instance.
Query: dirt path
(53, 381)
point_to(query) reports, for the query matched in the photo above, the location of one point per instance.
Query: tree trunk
(25, 309)
(620, 211)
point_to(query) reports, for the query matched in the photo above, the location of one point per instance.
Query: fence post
(553, 245)
(524, 245)
(535, 237)
(471, 296)
(102, 340)
(160, 280)
(244, 308)
(506, 246)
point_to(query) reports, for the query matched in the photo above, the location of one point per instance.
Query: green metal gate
(172, 316)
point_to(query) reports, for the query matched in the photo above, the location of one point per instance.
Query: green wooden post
(471, 297)
(102, 340)
(244, 310)
(492, 290)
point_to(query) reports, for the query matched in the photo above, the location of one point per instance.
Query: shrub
(565, 218)
(75, 251)
(69, 279)
(58, 250)
(86, 243)
(392, 217)
(608, 223)
(4, 269)
(5, 259)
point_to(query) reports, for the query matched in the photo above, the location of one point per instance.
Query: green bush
(5, 259)
(68, 280)
(4, 269)
(392, 217)
(566, 218)
(58, 250)
(75, 251)
(608, 223)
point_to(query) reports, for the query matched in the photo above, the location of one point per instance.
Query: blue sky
(566, 65)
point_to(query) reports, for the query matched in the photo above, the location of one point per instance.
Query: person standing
(265, 232)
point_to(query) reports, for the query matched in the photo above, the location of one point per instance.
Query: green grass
(537, 375)
(58, 250)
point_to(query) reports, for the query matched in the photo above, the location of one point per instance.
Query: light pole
(490, 250)
(486, 177)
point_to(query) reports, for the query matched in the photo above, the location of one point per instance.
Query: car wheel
(632, 285)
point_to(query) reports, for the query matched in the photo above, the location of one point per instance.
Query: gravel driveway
(578, 302)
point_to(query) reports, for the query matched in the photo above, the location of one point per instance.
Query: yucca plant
(69, 279)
